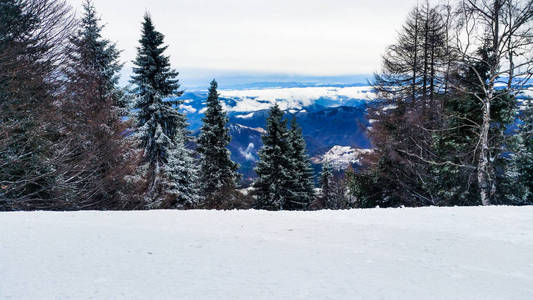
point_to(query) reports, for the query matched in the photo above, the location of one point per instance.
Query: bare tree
(414, 77)
(506, 26)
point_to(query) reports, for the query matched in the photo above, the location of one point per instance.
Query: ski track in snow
(423, 253)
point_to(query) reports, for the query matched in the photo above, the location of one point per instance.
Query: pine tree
(518, 176)
(101, 158)
(162, 129)
(326, 185)
(32, 38)
(525, 156)
(180, 185)
(275, 183)
(95, 58)
(303, 173)
(218, 172)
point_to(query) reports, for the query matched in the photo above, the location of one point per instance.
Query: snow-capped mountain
(340, 157)
(330, 116)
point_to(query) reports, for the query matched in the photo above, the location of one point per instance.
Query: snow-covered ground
(425, 253)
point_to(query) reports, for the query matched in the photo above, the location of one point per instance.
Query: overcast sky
(311, 37)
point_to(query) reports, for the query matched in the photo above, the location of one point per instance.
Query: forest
(452, 125)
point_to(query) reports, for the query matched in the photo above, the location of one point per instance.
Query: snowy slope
(340, 157)
(425, 253)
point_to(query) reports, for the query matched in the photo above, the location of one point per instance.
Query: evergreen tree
(458, 140)
(525, 156)
(180, 185)
(32, 38)
(518, 176)
(334, 188)
(101, 158)
(275, 183)
(303, 173)
(218, 173)
(160, 125)
(95, 58)
(326, 185)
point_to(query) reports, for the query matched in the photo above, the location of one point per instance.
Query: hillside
(423, 253)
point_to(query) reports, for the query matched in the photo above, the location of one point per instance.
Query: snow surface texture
(425, 253)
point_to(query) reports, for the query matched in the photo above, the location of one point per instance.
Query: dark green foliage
(217, 171)
(516, 179)
(303, 173)
(457, 141)
(371, 189)
(285, 179)
(162, 130)
(152, 71)
(326, 185)
(153, 78)
(275, 182)
(28, 85)
(95, 55)
(334, 187)
(524, 156)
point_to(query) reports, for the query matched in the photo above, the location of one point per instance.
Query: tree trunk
(484, 175)
(415, 60)
(425, 74)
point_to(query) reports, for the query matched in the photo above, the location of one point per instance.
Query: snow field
(422, 253)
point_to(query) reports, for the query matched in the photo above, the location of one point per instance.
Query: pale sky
(310, 37)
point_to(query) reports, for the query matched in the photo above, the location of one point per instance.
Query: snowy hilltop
(340, 157)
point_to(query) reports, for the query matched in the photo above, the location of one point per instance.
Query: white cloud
(246, 116)
(322, 37)
(248, 153)
(292, 98)
(188, 108)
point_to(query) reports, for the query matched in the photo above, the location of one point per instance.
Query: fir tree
(525, 156)
(180, 185)
(217, 171)
(153, 74)
(518, 176)
(303, 173)
(162, 129)
(32, 39)
(275, 183)
(335, 188)
(95, 58)
(326, 185)
(101, 158)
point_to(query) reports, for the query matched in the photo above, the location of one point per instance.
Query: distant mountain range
(198, 79)
(332, 112)
(330, 116)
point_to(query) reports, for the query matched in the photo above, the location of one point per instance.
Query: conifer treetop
(218, 171)
(152, 72)
(93, 54)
